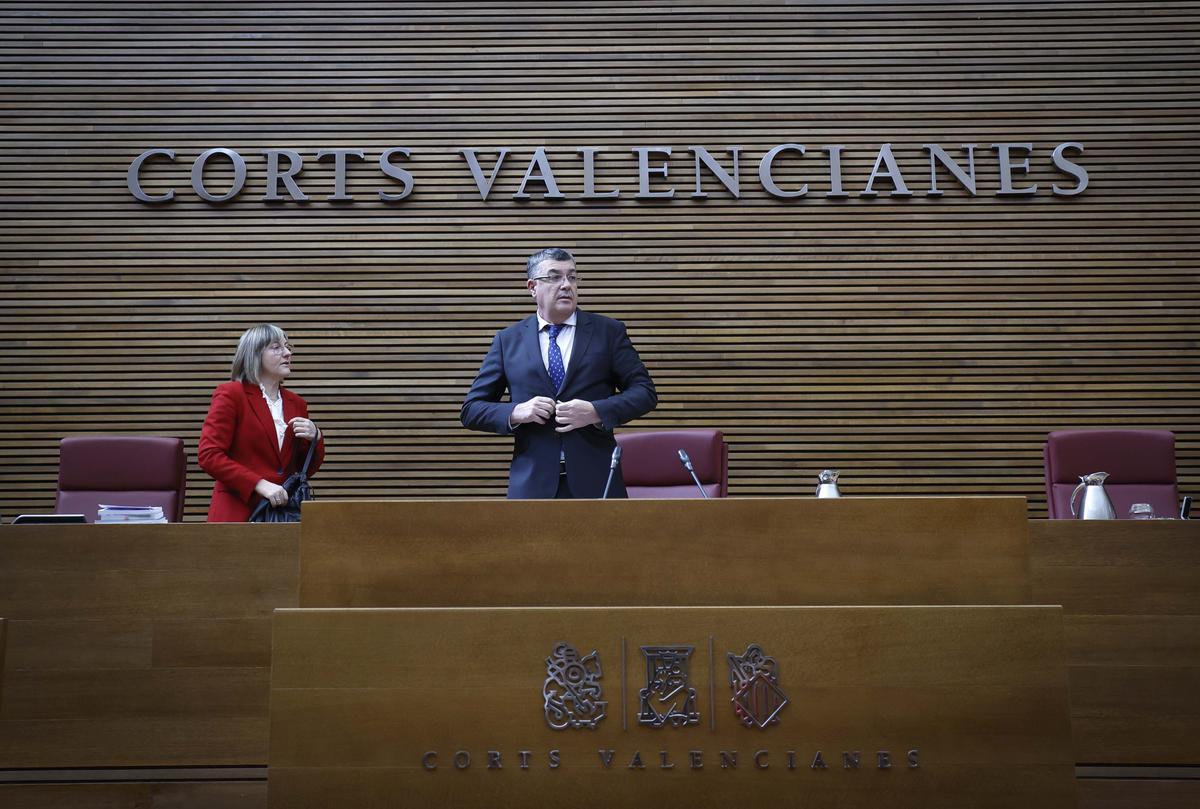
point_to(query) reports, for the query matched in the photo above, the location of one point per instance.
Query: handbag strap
(312, 445)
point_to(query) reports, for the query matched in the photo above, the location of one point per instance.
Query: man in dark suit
(572, 377)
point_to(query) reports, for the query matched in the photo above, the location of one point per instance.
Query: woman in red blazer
(257, 432)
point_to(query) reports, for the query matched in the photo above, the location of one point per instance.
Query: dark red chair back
(651, 467)
(119, 470)
(1140, 466)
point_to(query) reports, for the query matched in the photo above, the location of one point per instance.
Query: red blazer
(238, 448)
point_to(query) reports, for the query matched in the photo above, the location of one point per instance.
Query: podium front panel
(705, 707)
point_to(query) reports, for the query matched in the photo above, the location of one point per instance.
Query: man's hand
(537, 410)
(574, 414)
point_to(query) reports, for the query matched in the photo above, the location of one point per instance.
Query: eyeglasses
(277, 348)
(557, 278)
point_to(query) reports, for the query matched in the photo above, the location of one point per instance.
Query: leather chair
(651, 467)
(118, 470)
(1140, 465)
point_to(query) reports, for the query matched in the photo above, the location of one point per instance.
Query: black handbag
(298, 491)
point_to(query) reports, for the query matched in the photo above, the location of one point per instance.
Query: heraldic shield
(571, 692)
(668, 698)
(754, 680)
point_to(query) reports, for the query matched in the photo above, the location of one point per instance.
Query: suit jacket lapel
(583, 337)
(534, 346)
(258, 406)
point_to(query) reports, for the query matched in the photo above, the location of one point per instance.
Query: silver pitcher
(828, 484)
(1095, 505)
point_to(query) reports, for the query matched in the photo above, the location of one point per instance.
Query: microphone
(612, 470)
(1185, 509)
(687, 464)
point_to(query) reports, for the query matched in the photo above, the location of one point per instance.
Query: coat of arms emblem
(571, 692)
(754, 680)
(667, 697)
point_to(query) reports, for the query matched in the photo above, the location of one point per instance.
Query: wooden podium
(150, 646)
(443, 651)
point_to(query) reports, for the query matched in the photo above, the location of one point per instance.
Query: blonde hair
(247, 360)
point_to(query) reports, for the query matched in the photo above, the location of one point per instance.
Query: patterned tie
(557, 372)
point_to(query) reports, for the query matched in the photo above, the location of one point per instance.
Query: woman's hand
(304, 428)
(275, 494)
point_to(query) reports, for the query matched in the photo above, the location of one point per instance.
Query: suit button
(279, 471)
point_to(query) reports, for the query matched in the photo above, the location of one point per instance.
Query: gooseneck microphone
(612, 470)
(687, 464)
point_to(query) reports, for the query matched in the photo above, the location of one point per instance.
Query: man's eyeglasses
(557, 278)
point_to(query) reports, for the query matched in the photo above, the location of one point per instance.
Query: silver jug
(1095, 505)
(828, 484)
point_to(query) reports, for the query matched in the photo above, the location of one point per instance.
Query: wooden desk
(3, 651)
(149, 645)
(1131, 598)
(143, 645)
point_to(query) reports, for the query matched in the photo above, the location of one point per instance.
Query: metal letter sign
(757, 698)
(653, 166)
(667, 687)
(572, 691)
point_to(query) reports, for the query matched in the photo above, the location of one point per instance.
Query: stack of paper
(130, 514)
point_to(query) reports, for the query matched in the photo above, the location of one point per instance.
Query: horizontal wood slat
(922, 345)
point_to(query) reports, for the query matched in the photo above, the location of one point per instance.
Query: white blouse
(276, 408)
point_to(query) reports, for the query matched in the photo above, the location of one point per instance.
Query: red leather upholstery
(651, 467)
(120, 470)
(1140, 465)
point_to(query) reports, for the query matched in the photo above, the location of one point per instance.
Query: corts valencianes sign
(781, 173)
(573, 699)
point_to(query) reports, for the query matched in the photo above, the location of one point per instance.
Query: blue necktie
(557, 372)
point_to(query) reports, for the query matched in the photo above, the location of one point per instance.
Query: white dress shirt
(276, 408)
(566, 340)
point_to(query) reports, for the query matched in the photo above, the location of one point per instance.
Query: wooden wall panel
(922, 346)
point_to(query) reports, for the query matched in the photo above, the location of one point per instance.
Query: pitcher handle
(1073, 496)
